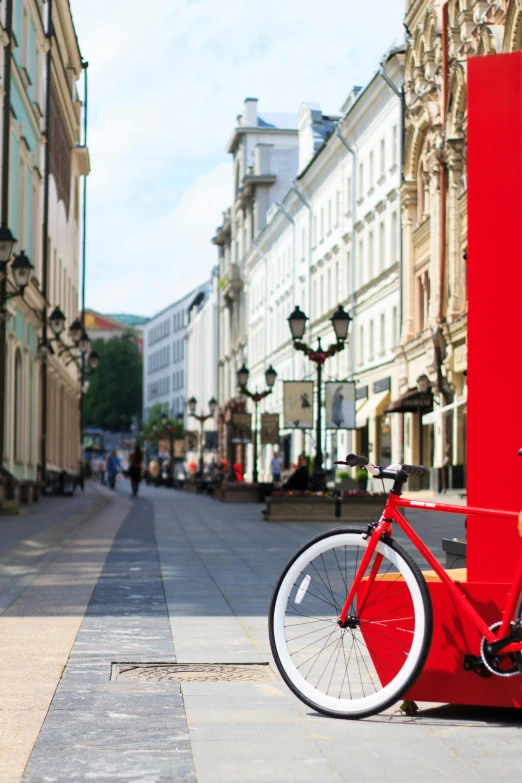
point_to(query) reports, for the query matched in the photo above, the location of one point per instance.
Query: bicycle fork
(374, 535)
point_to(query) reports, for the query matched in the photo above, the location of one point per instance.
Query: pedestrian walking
(135, 467)
(113, 468)
(276, 466)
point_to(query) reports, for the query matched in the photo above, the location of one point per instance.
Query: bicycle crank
(503, 665)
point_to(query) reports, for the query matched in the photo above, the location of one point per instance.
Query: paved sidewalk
(188, 579)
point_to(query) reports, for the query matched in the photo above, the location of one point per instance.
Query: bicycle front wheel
(362, 669)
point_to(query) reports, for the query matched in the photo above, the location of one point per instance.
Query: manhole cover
(192, 672)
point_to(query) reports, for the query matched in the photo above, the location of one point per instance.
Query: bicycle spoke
(350, 665)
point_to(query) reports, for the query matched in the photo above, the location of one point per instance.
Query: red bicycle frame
(392, 514)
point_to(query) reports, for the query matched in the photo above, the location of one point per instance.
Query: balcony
(231, 284)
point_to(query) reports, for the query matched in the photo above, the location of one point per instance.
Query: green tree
(115, 389)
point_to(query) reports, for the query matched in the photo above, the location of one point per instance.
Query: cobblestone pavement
(188, 579)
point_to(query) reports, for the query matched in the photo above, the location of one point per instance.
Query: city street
(91, 584)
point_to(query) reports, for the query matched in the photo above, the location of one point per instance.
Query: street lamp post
(202, 418)
(341, 323)
(86, 361)
(256, 397)
(171, 430)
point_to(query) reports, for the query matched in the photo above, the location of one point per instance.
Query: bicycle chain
(491, 666)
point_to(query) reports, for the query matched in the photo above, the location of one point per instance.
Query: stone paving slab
(219, 567)
(189, 579)
(100, 728)
(38, 630)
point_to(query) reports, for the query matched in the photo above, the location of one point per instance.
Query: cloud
(164, 92)
(176, 249)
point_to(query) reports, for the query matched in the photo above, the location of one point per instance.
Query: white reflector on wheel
(302, 590)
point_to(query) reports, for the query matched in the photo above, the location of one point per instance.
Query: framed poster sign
(269, 428)
(340, 405)
(191, 440)
(242, 428)
(298, 405)
(179, 449)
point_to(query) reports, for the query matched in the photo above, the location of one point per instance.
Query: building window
(349, 195)
(383, 335)
(337, 207)
(18, 407)
(329, 289)
(361, 180)
(395, 331)
(338, 291)
(361, 262)
(329, 215)
(383, 157)
(370, 254)
(371, 170)
(382, 247)
(303, 244)
(395, 139)
(372, 342)
(361, 345)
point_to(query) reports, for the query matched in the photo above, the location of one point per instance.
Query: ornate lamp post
(256, 397)
(341, 323)
(171, 430)
(21, 271)
(85, 360)
(202, 418)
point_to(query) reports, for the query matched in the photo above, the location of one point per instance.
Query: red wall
(494, 474)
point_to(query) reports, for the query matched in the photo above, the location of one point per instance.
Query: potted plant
(361, 479)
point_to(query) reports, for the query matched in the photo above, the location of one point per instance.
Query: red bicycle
(351, 617)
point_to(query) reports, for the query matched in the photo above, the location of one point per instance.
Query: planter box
(237, 493)
(190, 486)
(283, 508)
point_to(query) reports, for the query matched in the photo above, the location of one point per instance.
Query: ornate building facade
(431, 388)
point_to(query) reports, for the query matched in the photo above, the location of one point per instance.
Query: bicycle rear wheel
(360, 670)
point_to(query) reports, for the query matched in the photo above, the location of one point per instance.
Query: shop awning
(412, 402)
(431, 418)
(371, 407)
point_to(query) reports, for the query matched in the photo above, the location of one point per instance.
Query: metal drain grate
(193, 672)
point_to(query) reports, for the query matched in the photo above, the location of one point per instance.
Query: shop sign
(298, 399)
(340, 405)
(269, 428)
(241, 428)
(191, 440)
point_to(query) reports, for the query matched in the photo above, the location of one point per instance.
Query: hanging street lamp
(340, 321)
(256, 397)
(202, 418)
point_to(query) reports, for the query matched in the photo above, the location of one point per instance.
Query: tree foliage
(115, 389)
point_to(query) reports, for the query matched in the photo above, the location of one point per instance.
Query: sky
(167, 80)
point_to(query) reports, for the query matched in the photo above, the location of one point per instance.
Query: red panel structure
(494, 471)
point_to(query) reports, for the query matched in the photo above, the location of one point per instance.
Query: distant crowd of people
(107, 468)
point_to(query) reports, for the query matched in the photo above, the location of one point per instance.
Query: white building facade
(202, 363)
(334, 239)
(265, 152)
(164, 357)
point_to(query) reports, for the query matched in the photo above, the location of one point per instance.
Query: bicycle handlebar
(376, 471)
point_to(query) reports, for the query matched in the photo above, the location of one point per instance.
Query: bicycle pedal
(472, 663)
